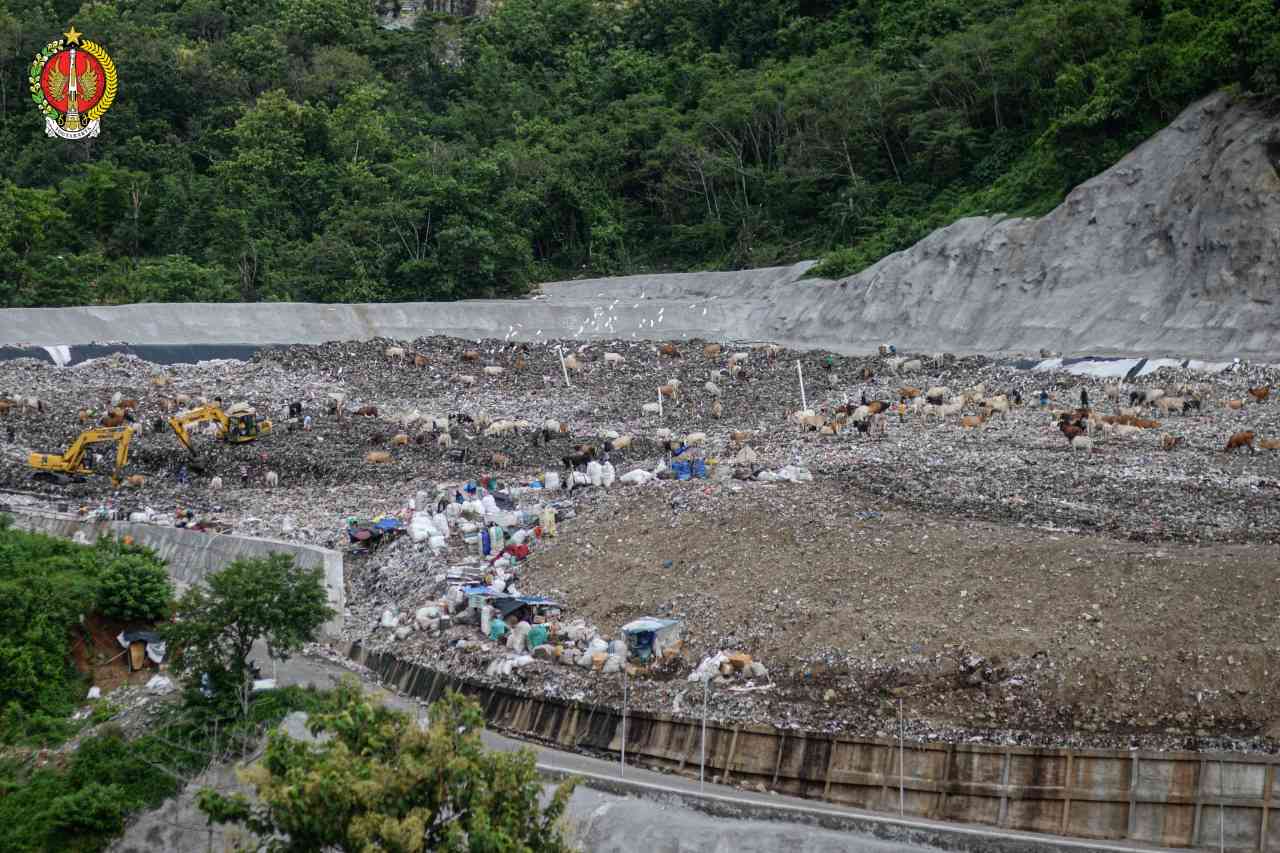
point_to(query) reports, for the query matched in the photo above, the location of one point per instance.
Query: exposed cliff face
(1176, 248)
(403, 14)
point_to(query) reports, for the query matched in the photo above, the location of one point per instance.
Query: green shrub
(134, 588)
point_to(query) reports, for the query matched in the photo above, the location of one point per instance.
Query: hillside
(295, 150)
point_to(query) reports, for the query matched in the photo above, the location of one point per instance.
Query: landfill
(506, 509)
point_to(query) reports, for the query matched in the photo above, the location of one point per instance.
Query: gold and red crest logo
(73, 82)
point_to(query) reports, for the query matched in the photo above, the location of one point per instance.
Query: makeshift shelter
(143, 646)
(649, 638)
(525, 608)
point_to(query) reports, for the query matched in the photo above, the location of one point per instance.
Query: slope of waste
(1006, 586)
(1173, 251)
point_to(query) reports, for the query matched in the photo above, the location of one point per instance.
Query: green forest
(295, 150)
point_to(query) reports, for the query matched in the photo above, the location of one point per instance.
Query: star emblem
(73, 37)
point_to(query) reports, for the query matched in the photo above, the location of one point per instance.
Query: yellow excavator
(237, 425)
(63, 468)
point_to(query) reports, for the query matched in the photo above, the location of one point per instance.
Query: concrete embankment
(192, 555)
(1166, 799)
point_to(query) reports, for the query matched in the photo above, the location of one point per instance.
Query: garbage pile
(661, 446)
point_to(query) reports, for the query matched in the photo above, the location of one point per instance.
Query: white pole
(902, 792)
(702, 770)
(659, 402)
(1221, 810)
(799, 372)
(622, 758)
(563, 369)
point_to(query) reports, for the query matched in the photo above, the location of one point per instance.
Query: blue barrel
(681, 470)
(699, 468)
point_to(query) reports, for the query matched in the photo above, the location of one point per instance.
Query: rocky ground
(1001, 585)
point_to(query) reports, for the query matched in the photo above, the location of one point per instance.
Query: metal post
(902, 790)
(659, 402)
(702, 769)
(563, 369)
(622, 756)
(1221, 814)
(803, 402)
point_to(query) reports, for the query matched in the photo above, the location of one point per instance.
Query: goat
(575, 460)
(669, 350)
(1261, 393)
(471, 355)
(394, 353)
(377, 457)
(651, 408)
(464, 379)
(712, 388)
(1169, 442)
(717, 410)
(1082, 442)
(519, 364)
(137, 480)
(420, 360)
(367, 411)
(695, 439)
(996, 405)
(1189, 404)
(494, 370)
(622, 442)
(877, 426)
(272, 479)
(1071, 427)
(1240, 439)
(1146, 397)
(400, 440)
(1121, 430)
(1269, 443)
(974, 421)
(738, 358)
(571, 363)
(812, 423)
(739, 437)
(1234, 404)
(908, 393)
(500, 460)
(712, 350)
(672, 391)
(613, 359)
(444, 441)
(215, 485)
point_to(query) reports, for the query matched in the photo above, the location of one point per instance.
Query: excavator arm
(183, 420)
(239, 426)
(71, 463)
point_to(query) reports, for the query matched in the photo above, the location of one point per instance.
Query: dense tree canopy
(377, 780)
(292, 149)
(47, 587)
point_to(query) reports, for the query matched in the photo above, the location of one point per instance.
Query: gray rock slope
(1173, 251)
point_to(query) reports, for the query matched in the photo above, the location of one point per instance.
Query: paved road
(648, 811)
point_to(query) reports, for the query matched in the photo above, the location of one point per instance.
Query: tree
(268, 598)
(134, 587)
(382, 782)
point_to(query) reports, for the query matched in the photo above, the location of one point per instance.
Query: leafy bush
(47, 586)
(134, 588)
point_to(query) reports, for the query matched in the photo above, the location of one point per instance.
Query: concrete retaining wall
(192, 555)
(1167, 799)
